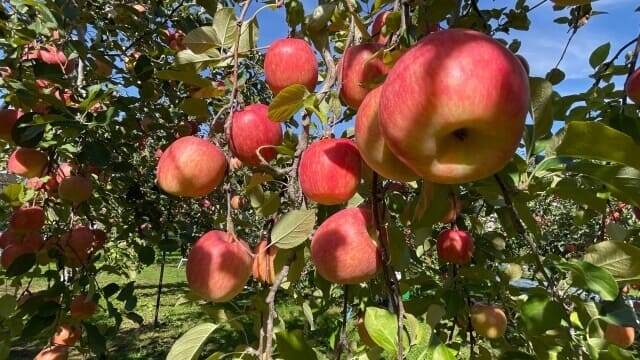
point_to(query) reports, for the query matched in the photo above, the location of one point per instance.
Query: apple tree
(390, 168)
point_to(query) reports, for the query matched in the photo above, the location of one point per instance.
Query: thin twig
(632, 67)
(608, 64)
(270, 300)
(342, 343)
(566, 47)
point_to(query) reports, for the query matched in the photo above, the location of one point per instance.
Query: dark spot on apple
(461, 134)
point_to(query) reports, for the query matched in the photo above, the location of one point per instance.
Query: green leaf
(597, 141)
(7, 304)
(195, 107)
(270, 203)
(599, 55)
(224, 24)
(555, 76)
(540, 314)
(287, 102)
(382, 326)
(621, 181)
(293, 228)
(541, 106)
(13, 194)
(187, 77)
(398, 249)
(248, 36)
(189, 57)
(211, 6)
(97, 341)
(592, 277)
(618, 258)
(202, 39)
(189, 345)
(442, 352)
(618, 312)
(292, 345)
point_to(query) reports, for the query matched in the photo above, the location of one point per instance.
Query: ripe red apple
(76, 245)
(632, 87)
(75, 189)
(238, 202)
(263, 268)
(8, 118)
(343, 250)
(66, 335)
(330, 171)
(251, 129)
(290, 61)
(64, 170)
(82, 308)
(27, 219)
(372, 146)
(359, 72)
(30, 240)
(55, 352)
(53, 56)
(622, 336)
(219, 266)
(28, 162)
(376, 28)
(570, 2)
(488, 321)
(453, 107)
(12, 252)
(524, 63)
(175, 39)
(191, 167)
(455, 246)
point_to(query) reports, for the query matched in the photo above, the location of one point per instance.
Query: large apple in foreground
(218, 266)
(191, 167)
(290, 61)
(453, 107)
(252, 131)
(343, 250)
(455, 246)
(8, 118)
(622, 336)
(488, 321)
(330, 171)
(632, 87)
(359, 72)
(372, 146)
(27, 162)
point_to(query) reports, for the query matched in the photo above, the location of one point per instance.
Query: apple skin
(343, 250)
(570, 2)
(66, 335)
(263, 268)
(290, 61)
(447, 120)
(12, 252)
(330, 171)
(252, 129)
(75, 189)
(524, 63)
(191, 167)
(632, 87)
(55, 352)
(372, 146)
(488, 321)
(27, 162)
(76, 245)
(376, 28)
(358, 71)
(27, 219)
(238, 202)
(32, 241)
(622, 336)
(455, 246)
(219, 265)
(81, 308)
(8, 118)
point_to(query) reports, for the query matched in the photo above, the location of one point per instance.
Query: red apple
(524, 63)
(488, 321)
(290, 61)
(12, 252)
(32, 241)
(263, 268)
(330, 171)
(252, 131)
(76, 245)
(343, 250)
(66, 335)
(376, 28)
(455, 246)
(55, 352)
(175, 39)
(238, 202)
(204, 203)
(218, 266)
(359, 72)
(28, 162)
(64, 170)
(632, 87)
(191, 167)
(8, 118)
(27, 219)
(622, 336)
(75, 189)
(82, 308)
(372, 146)
(453, 107)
